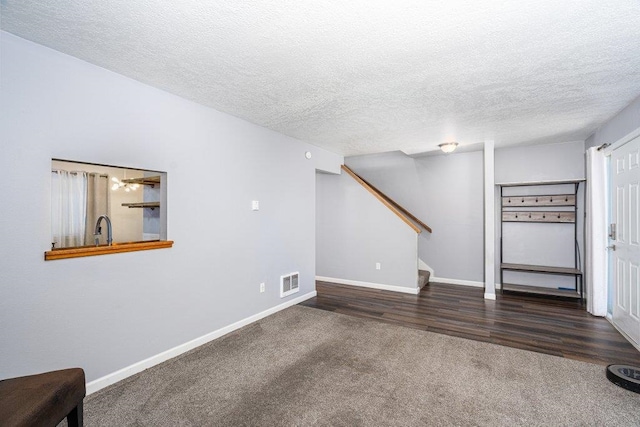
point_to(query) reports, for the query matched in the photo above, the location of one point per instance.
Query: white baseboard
(382, 286)
(130, 370)
(490, 296)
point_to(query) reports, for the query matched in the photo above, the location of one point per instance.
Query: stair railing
(396, 208)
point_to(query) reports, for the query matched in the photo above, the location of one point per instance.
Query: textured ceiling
(366, 76)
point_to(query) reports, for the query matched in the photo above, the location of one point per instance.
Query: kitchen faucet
(98, 231)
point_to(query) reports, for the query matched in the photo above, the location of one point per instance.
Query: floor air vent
(288, 284)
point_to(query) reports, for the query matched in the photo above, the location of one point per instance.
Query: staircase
(423, 278)
(407, 217)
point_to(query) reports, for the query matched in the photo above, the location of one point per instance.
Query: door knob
(612, 247)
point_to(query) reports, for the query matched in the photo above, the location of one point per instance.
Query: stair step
(423, 278)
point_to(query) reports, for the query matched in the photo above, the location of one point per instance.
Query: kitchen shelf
(147, 180)
(150, 205)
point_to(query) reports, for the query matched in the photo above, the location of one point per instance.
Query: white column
(489, 222)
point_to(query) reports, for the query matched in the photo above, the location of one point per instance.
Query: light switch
(255, 205)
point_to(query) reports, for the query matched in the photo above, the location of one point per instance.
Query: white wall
(547, 162)
(446, 193)
(623, 123)
(540, 244)
(354, 231)
(105, 313)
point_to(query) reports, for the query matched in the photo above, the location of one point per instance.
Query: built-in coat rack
(534, 208)
(512, 213)
(538, 216)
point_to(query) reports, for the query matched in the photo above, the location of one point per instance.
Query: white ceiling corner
(367, 76)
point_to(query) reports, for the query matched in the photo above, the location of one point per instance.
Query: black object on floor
(625, 376)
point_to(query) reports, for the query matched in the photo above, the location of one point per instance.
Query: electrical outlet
(255, 205)
(377, 266)
(261, 287)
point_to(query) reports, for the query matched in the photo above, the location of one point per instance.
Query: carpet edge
(137, 367)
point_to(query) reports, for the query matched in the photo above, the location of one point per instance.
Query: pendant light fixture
(126, 186)
(448, 147)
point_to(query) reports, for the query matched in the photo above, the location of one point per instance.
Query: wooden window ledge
(115, 248)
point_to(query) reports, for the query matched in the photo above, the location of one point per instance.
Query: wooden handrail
(394, 203)
(384, 201)
(401, 212)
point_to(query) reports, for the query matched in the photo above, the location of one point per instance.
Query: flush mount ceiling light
(448, 147)
(117, 184)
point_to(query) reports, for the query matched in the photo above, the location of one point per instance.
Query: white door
(625, 255)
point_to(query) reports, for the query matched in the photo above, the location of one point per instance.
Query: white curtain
(97, 203)
(68, 208)
(596, 233)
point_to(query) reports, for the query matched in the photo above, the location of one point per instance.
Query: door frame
(607, 151)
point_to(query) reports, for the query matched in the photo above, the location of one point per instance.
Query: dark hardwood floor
(560, 328)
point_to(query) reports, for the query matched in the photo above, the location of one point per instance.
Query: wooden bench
(43, 399)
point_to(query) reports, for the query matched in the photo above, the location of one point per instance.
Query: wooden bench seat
(43, 399)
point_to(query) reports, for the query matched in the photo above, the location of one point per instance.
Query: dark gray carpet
(304, 366)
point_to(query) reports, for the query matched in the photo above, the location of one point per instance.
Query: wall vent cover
(289, 284)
